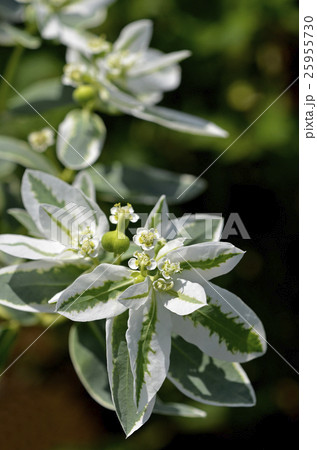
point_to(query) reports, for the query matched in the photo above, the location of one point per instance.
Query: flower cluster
(160, 290)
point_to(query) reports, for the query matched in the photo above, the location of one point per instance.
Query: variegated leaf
(26, 220)
(207, 260)
(29, 286)
(226, 328)
(136, 295)
(80, 140)
(178, 121)
(84, 182)
(158, 217)
(158, 61)
(20, 152)
(135, 37)
(184, 298)
(149, 341)
(94, 295)
(87, 348)
(121, 378)
(40, 188)
(208, 380)
(30, 248)
(197, 229)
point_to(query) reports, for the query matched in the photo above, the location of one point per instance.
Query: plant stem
(67, 175)
(9, 75)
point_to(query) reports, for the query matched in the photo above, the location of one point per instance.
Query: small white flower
(163, 285)
(141, 261)
(169, 269)
(146, 238)
(126, 211)
(118, 63)
(98, 45)
(41, 140)
(74, 74)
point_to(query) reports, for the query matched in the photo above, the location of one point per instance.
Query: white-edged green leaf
(158, 217)
(160, 62)
(20, 152)
(168, 247)
(208, 380)
(136, 295)
(94, 295)
(40, 188)
(25, 319)
(11, 35)
(178, 121)
(226, 329)
(149, 343)
(184, 298)
(197, 228)
(84, 182)
(25, 219)
(145, 184)
(135, 37)
(80, 140)
(177, 409)
(43, 95)
(29, 286)
(121, 378)
(30, 248)
(87, 348)
(206, 260)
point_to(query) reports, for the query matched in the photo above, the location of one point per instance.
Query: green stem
(117, 259)
(9, 75)
(67, 175)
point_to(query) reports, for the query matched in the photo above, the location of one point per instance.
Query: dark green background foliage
(244, 56)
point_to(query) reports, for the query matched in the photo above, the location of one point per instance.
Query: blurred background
(244, 56)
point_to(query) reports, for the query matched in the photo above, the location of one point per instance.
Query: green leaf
(158, 216)
(178, 121)
(177, 409)
(84, 182)
(81, 138)
(42, 95)
(145, 184)
(10, 35)
(207, 260)
(29, 286)
(149, 343)
(8, 335)
(94, 295)
(87, 347)
(25, 219)
(226, 328)
(26, 319)
(17, 151)
(40, 188)
(121, 378)
(199, 228)
(206, 379)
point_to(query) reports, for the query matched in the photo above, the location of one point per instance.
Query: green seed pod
(84, 94)
(115, 242)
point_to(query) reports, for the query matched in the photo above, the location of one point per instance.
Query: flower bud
(115, 242)
(84, 94)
